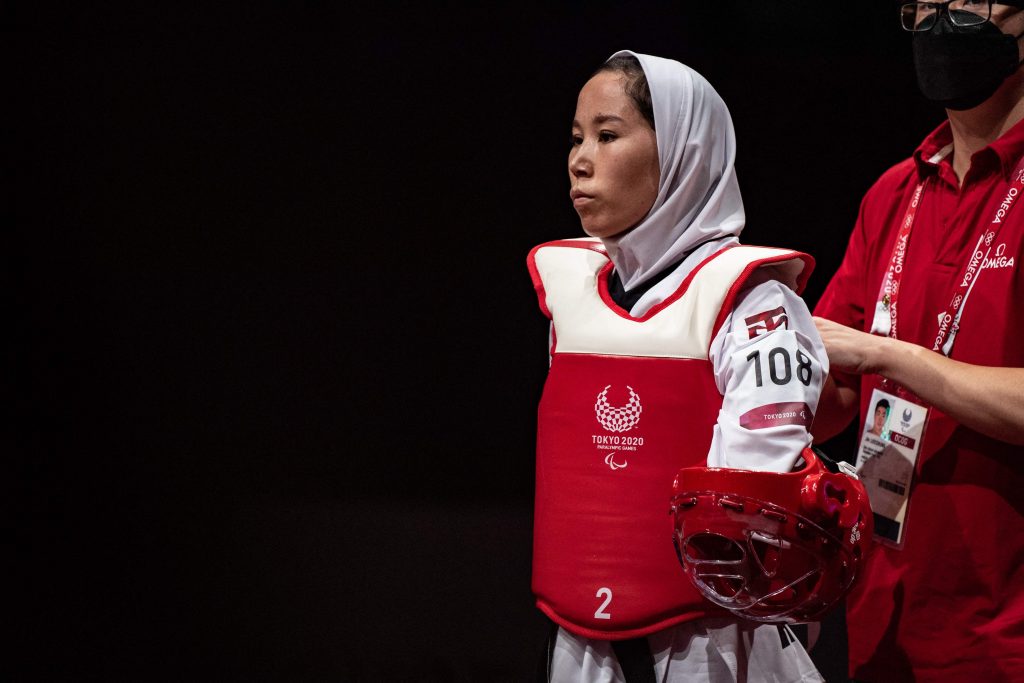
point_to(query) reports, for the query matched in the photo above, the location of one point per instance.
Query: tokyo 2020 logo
(618, 419)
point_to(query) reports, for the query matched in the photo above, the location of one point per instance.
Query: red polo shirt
(948, 606)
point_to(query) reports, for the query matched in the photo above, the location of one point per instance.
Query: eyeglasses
(922, 16)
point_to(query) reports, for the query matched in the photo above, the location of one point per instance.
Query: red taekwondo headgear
(768, 546)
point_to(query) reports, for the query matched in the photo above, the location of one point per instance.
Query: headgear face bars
(772, 547)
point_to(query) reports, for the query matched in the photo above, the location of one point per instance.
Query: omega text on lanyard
(949, 320)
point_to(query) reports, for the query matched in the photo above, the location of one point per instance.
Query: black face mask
(960, 67)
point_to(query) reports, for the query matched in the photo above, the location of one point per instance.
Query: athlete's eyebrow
(602, 118)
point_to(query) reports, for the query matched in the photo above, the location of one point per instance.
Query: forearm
(989, 400)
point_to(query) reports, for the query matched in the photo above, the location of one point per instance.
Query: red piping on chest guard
(739, 284)
(531, 264)
(605, 273)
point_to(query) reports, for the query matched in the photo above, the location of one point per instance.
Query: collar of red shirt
(1008, 150)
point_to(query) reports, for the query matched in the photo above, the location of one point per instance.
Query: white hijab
(698, 196)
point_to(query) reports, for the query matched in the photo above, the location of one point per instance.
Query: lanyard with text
(886, 308)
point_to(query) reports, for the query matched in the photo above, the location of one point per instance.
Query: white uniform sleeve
(769, 363)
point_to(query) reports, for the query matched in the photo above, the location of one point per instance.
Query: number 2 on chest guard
(600, 613)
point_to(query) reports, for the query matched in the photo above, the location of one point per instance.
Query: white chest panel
(585, 323)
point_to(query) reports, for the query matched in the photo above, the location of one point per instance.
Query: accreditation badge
(886, 459)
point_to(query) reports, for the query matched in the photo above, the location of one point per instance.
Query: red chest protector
(628, 401)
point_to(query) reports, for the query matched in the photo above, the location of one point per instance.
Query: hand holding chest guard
(768, 546)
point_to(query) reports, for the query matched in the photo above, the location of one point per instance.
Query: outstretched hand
(987, 399)
(849, 349)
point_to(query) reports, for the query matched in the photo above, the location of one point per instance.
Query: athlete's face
(613, 162)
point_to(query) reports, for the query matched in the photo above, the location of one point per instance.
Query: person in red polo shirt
(926, 313)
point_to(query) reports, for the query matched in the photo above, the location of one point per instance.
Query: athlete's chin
(600, 228)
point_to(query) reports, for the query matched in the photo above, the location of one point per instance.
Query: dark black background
(276, 355)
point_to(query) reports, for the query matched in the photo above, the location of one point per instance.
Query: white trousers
(711, 650)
